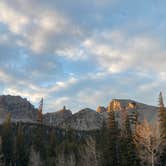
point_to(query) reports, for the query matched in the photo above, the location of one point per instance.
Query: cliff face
(19, 108)
(88, 119)
(69, 153)
(101, 109)
(85, 119)
(55, 118)
(144, 111)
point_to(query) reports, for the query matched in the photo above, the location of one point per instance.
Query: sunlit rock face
(86, 119)
(117, 105)
(101, 109)
(131, 105)
(114, 105)
(144, 111)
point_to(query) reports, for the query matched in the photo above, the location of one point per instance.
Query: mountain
(55, 118)
(85, 119)
(144, 110)
(88, 119)
(83, 146)
(19, 108)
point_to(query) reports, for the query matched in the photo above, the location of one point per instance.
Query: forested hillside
(125, 141)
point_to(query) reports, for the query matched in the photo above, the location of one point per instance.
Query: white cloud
(61, 85)
(72, 53)
(46, 32)
(117, 52)
(31, 96)
(34, 92)
(15, 20)
(39, 28)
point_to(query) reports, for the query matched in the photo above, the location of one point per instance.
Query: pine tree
(51, 149)
(39, 145)
(162, 117)
(7, 141)
(110, 152)
(22, 154)
(162, 123)
(130, 147)
(101, 142)
(127, 148)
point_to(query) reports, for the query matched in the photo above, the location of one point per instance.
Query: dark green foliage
(128, 153)
(18, 139)
(162, 118)
(22, 152)
(39, 141)
(72, 145)
(162, 123)
(7, 141)
(116, 144)
(51, 149)
(110, 157)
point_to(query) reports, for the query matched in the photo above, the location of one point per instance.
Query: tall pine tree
(110, 151)
(7, 141)
(162, 123)
(51, 149)
(127, 149)
(22, 152)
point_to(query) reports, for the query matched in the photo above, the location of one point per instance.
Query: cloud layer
(82, 54)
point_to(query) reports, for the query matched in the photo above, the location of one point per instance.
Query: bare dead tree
(147, 141)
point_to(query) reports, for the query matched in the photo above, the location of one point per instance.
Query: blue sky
(82, 53)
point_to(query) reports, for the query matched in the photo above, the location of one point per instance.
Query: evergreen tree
(162, 122)
(7, 141)
(110, 151)
(22, 154)
(130, 147)
(127, 148)
(51, 149)
(38, 141)
(162, 117)
(101, 142)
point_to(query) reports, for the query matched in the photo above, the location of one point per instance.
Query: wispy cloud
(82, 53)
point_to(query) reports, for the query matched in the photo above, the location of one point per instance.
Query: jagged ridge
(86, 119)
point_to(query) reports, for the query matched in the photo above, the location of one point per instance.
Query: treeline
(26, 145)
(131, 143)
(122, 142)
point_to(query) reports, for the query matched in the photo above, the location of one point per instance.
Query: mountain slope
(19, 108)
(86, 119)
(55, 118)
(144, 110)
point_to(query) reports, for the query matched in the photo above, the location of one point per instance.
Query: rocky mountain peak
(144, 110)
(85, 119)
(55, 118)
(15, 103)
(64, 111)
(101, 109)
(20, 108)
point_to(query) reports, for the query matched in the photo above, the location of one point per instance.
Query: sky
(82, 53)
